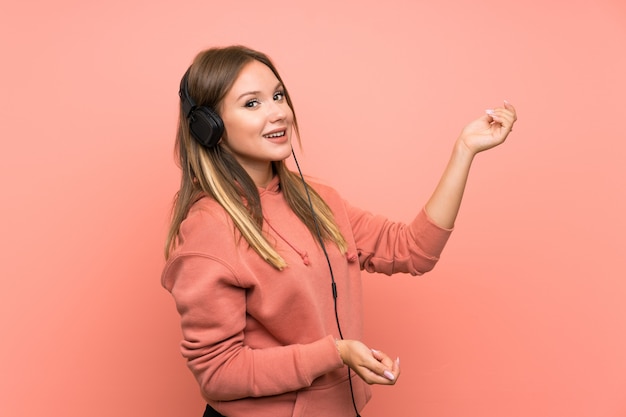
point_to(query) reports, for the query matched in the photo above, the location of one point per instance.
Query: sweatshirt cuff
(429, 236)
(320, 357)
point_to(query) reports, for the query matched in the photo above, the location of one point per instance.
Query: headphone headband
(183, 93)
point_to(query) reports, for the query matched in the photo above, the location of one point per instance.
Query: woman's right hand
(373, 366)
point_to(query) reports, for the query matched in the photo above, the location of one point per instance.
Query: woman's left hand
(490, 130)
(373, 366)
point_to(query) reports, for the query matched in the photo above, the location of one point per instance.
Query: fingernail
(389, 375)
(398, 361)
(506, 102)
(374, 350)
(490, 112)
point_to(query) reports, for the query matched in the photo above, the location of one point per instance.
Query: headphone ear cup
(206, 126)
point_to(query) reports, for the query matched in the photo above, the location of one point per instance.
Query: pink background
(525, 314)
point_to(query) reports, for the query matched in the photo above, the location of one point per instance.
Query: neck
(262, 176)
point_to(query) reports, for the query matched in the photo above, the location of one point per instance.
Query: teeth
(275, 135)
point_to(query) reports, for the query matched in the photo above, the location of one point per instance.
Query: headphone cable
(330, 269)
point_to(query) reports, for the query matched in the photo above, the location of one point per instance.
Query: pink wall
(525, 314)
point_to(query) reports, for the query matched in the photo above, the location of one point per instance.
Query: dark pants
(210, 412)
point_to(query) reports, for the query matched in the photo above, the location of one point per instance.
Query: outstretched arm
(484, 133)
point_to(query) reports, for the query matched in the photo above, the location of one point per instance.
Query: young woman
(265, 268)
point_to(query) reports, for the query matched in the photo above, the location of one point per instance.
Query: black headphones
(205, 124)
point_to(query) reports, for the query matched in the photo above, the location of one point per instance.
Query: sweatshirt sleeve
(212, 306)
(389, 247)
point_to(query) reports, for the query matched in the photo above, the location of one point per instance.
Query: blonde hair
(216, 173)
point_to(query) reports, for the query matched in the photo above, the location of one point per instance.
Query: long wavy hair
(216, 173)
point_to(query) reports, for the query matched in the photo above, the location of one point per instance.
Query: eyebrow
(278, 86)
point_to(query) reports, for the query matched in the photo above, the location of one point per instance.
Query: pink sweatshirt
(261, 342)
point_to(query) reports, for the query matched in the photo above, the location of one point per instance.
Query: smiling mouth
(275, 135)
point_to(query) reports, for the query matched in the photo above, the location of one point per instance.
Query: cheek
(240, 127)
(288, 116)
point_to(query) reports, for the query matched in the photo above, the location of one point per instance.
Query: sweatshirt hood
(273, 187)
(269, 195)
(272, 198)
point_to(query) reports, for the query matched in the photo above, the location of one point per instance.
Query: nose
(278, 111)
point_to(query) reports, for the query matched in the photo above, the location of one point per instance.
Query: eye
(279, 95)
(252, 103)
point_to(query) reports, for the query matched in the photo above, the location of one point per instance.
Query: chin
(282, 156)
(283, 153)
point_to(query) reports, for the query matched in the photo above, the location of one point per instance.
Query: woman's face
(258, 121)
